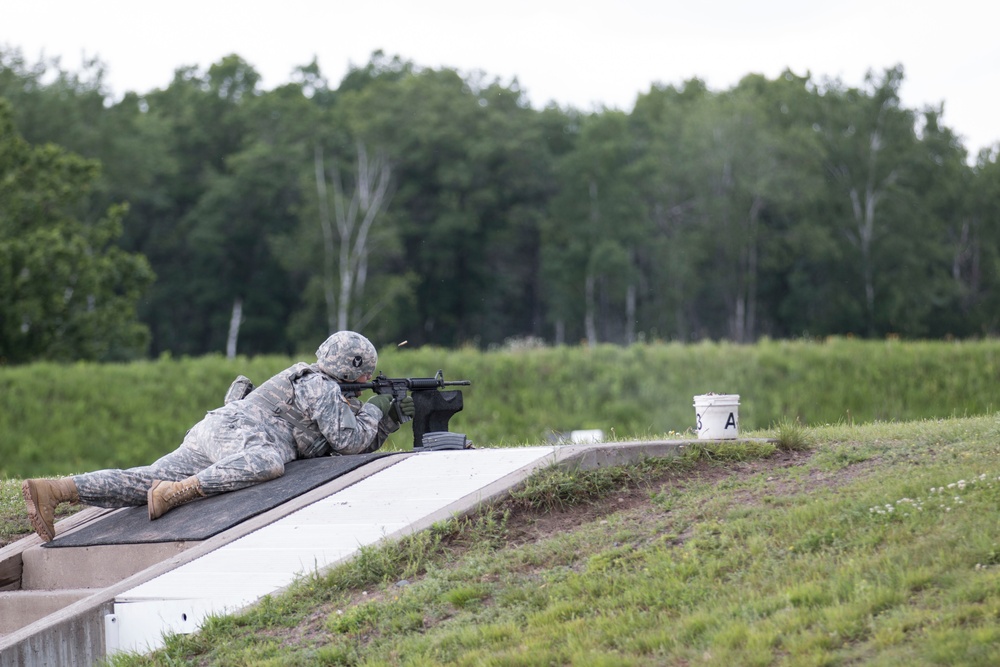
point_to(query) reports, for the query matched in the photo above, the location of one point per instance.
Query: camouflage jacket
(305, 407)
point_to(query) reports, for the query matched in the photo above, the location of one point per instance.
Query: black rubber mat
(205, 517)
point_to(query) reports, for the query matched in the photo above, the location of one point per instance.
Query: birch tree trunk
(589, 317)
(865, 193)
(630, 304)
(745, 315)
(345, 238)
(235, 319)
(863, 206)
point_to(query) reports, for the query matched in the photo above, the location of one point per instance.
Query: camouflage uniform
(247, 442)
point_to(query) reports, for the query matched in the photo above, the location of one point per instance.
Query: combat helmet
(346, 355)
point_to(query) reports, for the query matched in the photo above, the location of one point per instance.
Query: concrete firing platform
(384, 499)
(206, 517)
(405, 497)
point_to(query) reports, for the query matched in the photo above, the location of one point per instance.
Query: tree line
(441, 208)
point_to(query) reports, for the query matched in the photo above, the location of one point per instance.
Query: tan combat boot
(42, 496)
(164, 496)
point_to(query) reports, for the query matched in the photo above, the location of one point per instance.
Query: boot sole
(41, 529)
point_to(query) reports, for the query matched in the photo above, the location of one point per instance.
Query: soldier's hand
(382, 402)
(406, 407)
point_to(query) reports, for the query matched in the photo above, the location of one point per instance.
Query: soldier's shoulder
(316, 381)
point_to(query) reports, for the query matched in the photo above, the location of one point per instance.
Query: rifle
(432, 409)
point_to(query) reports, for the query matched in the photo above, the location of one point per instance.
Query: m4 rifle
(433, 407)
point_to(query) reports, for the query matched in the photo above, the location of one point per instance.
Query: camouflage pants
(225, 453)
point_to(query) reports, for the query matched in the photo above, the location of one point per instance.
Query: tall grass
(60, 419)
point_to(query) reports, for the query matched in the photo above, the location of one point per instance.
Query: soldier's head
(347, 356)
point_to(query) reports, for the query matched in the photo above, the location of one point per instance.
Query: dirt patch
(528, 527)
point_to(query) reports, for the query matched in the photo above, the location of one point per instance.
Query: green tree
(77, 112)
(950, 278)
(470, 173)
(753, 167)
(594, 232)
(343, 247)
(233, 181)
(979, 267)
(66, 291)
(870, 144)
(666, 186)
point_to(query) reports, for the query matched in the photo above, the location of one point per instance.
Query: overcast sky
(573, 52)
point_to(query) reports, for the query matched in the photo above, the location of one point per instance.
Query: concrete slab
(10, 555)
(21, 608)
(91, 567)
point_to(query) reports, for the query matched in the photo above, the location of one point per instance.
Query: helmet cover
(346, 356)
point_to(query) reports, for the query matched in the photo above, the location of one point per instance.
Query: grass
(13, 517)
(64, 418)
(871, 544)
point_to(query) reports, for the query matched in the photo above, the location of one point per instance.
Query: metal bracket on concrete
(111, 633)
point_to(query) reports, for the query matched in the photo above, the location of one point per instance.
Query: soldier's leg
(250, 466)
(238, 470)
(242, 454)
(127, 488)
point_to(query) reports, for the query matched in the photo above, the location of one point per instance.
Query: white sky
(574, 52)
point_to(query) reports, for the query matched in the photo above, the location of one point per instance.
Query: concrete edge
(104, 598)
(605, 454)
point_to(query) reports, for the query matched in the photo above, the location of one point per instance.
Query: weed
(463, 596)
(792, 436)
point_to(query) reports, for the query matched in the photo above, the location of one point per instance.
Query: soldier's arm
(348, 430)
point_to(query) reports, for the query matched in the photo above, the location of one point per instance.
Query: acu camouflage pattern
(246, 442)
(346, 356)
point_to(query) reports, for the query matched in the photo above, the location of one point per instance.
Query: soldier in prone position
(299, 413)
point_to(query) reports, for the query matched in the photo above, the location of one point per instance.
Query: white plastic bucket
(718, 416)
(586, 436)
